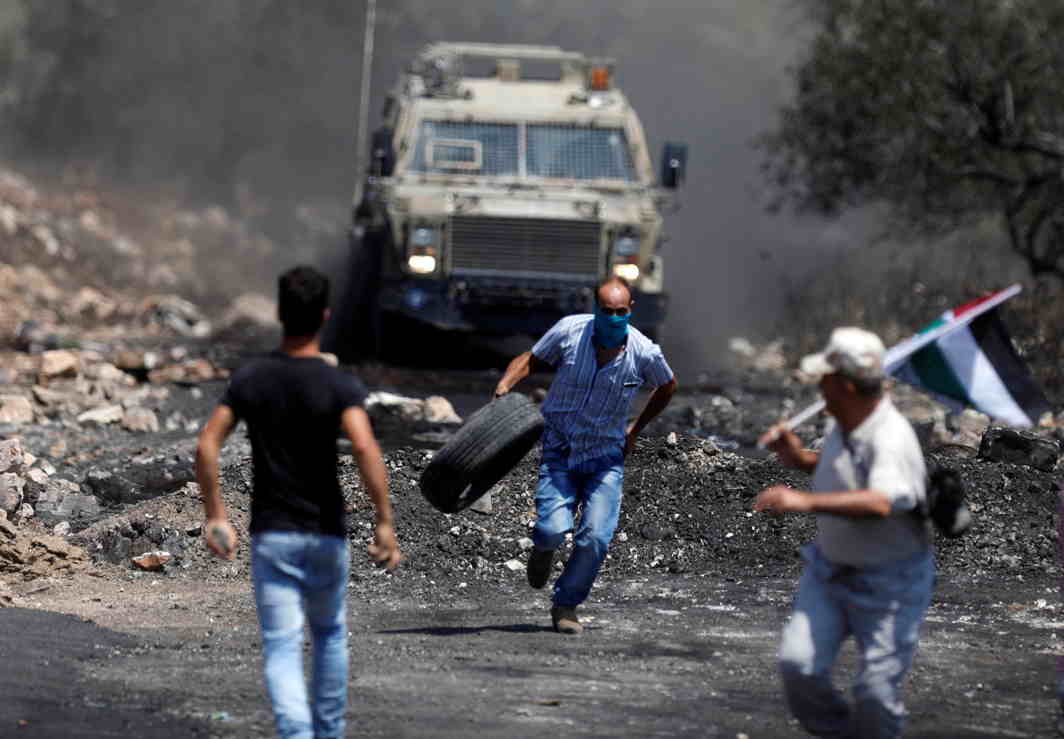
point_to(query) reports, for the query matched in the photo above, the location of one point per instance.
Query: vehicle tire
(354, 332)
(490, 444)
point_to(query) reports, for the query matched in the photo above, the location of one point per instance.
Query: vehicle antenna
(363, 100)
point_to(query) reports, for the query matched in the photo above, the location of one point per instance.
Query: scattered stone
(136, 362)
(482, 505)
(34, 481)
(199, 370)
(514, 565)
(382, 403)
(140, 420)
(7, 598)
(153, 561)
(191, 370)
(30, 556)
(102, 416)
(61, 529)
(438, 409)
(175, 421)
(970, 422)
(24, 512)
(105, 372)
(10, 492)
(12, 458)
(177, 314)
(653, 532)
(52, 398)
(672, 439)
(524, 543)
(59, 363)
(62, 500)
(709, 448)
(92, 304)
(15, 410)
(742, 346)
(1003, 444)
(250, 311)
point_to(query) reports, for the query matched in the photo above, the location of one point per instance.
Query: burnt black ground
(688, 655)
(683, 622)
(48, 690)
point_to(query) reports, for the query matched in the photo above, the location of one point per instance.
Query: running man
(601, 363)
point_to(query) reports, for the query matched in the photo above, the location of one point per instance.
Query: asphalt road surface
(683, 655)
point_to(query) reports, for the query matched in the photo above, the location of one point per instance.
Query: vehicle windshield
(477, 148)
(550, 150)
(579, 153)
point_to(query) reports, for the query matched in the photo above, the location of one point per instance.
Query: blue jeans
(595, 485)
(301, 577)
(883, 608)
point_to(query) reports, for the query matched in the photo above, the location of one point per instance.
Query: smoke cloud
(230, 97)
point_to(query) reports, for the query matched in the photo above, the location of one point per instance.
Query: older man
(601, 363)
(871, 569)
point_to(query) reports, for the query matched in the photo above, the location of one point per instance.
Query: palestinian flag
(967, 358)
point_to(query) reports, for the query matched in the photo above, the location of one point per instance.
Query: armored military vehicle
(504, 182)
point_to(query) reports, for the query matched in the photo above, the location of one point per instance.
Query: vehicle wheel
(490, 444)
(354, 331)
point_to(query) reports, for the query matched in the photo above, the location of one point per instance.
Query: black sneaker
(539, 564)
(565, 620)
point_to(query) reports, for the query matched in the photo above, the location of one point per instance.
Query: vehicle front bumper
(505, 307)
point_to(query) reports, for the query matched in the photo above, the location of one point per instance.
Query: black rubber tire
(490, 444)
(354, 330)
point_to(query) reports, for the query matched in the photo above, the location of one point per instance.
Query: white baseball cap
(852, 352)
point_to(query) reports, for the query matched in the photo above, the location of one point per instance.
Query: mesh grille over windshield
(550, 150)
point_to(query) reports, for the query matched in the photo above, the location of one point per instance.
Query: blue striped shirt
(587, 407)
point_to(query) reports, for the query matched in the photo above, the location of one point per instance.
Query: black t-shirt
(292, 406)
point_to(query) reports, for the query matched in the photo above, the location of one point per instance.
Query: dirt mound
(25, 555)
(686, 509)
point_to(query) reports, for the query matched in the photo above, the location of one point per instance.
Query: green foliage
(947, 110)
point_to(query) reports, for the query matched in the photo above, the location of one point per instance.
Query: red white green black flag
(967, 358)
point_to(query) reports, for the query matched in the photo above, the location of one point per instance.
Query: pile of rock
(81, 388)
(29, 489)
(435, 409)
(735, 409)
(26, 556)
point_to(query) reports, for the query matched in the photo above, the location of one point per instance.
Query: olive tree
(944, 110)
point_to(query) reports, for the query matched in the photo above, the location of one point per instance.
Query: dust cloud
(254, 103)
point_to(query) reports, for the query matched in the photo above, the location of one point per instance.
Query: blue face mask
(610, 331)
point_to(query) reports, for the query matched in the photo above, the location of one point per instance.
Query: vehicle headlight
(629, 272)
(421, 264)
(422, 250)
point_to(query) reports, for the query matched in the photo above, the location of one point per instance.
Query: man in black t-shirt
(294, 403)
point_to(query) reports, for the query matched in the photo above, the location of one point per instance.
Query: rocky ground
(118, 622)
